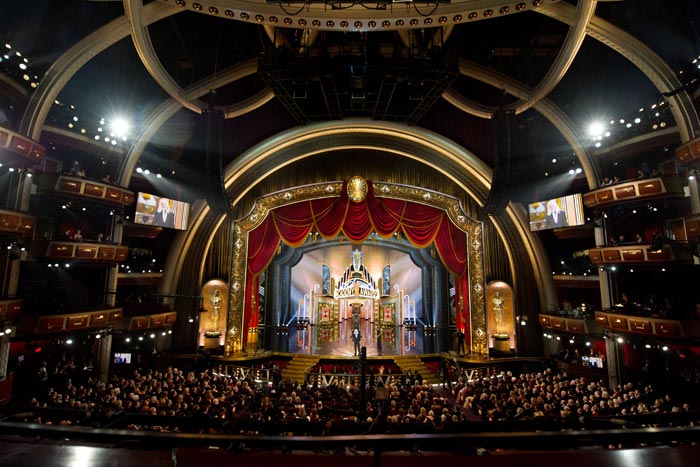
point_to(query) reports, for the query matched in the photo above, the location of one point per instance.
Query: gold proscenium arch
(236, 328)
(451, 160)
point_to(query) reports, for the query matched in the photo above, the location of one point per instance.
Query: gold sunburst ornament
(357, 188)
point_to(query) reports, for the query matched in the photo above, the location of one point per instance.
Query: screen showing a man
(165, 215)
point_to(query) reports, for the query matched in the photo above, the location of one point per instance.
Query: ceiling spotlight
(572, 171)
(596, 129)
(120, 126)
(139, 170)
(128, 339)
(159, 176)
(146, 172)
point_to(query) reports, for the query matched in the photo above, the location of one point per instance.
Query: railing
(80, 251)
(632, 190)
(21, 147)
(637, 253)
(648, 325)
(16, 222)
(84, 187)
(568, 324)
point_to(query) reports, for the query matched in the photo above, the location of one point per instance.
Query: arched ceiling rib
(150, 60)
(169, 107)
(585, 9)
(550, 111)
(441, 154)
(648, 62)
(68, 64)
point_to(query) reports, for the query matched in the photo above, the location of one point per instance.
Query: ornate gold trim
(452, 206)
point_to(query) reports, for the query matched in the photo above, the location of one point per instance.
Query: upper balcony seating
(84, 188)
(634, 190)
(21, 149)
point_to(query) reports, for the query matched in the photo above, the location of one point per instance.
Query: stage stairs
(413, 363)
(295, 370)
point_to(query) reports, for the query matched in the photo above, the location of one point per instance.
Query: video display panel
(555, 213)
(161, 211)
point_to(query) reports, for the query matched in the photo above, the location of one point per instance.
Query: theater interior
(275, 230)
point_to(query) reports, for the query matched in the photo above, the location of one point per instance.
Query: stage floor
(336, 340)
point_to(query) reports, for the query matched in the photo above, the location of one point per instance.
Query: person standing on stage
(356, 338)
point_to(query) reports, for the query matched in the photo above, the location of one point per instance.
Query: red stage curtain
(291, 224)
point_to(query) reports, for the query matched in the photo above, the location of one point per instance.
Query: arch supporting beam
(544, 106)
(648, 62)
(68, 64)
(161, 114)
(585, 9)
(441, 154)
(144, 47)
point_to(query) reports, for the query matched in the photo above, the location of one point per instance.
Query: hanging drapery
(421, 224)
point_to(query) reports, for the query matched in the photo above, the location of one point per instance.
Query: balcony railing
(637, 253)
(16, 222)
(21, 148)
(11, 308)
(648, 325)
(689, 153)
(568, 324)
(53, 324)
(633, 190)
(79, 251)
(83, 187)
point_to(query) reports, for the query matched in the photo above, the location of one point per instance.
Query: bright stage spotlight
(596, 129)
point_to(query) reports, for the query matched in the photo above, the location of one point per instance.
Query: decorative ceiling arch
(161, 114)
(585, 9)
(441, 154)
(68, 64)
(641, 56)
(544, 106)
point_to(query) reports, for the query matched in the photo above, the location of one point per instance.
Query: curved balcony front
(79, 251)
(77, 321)
(634, 190)
(16, 222)
(11, 308)
(688, 154)
(84, 188)
(648, 326)
(568, 324)
(637, 253)
(21, 149)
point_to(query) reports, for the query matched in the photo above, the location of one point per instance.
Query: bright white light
(579, 170)
(128, 339)
(554, 161)
(120, 126)
(8, 331)
(69, 341)
(152, 336)
(637, 120)
(146, 172)
(664, 348)
(139, 170)
(596, 128)
(140, 338)
(648, 346)
(572, 171)
(159, 176)
(620, 340)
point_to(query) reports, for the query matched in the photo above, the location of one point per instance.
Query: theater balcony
(638, 253)
(79, 251)
(16, 222)
(569, 324)
(638, 190)
(19, 149)
(53, 324)
(78, 187)
(688, 154)
(648, 325)
(10, 309)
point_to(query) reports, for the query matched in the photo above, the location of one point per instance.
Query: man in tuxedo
(356, 338)
(556, 217)
(164, 215)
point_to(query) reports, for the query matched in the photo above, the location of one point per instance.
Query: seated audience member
(78, 236)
